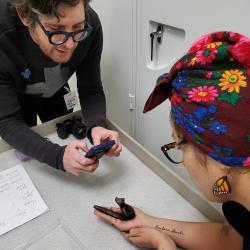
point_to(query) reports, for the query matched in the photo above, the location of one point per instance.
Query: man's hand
(74, 162)
(100, 134)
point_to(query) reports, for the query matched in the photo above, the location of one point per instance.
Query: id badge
(70, 100)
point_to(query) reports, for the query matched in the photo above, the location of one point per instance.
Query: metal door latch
(158, 35)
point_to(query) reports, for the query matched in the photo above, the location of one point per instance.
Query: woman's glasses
(172, 151)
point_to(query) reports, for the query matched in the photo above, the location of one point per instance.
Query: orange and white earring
(221, 186)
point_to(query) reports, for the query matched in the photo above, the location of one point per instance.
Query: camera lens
(79, 130)
(61, 131)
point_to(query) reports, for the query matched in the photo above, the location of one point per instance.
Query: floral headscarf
(209, 91)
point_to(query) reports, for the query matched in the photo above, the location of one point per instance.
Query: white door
(118, 59)
(184, 22)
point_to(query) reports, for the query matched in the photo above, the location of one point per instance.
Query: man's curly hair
(30, 8)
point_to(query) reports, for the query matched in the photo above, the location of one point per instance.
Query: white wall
(118, 59)
(126, 66)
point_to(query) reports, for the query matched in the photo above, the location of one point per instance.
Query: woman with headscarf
(209, 91)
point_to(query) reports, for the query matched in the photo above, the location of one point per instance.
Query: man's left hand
(100, 135)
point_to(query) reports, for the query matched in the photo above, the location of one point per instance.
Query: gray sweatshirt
(25, 69)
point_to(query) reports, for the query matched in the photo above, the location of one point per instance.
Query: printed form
(20, 201)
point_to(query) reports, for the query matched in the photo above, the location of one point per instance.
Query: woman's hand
(141, 220)
(140, 230)
(150, 238)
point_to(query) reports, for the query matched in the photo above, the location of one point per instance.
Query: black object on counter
(73, 126)
(127, 211)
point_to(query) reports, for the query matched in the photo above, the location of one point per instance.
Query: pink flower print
(240, 52)
(178, 65)
(206, 39)
(235, 37)
(208, 74)
(203, 94)
(246, 163)
(206, 56)
(175, 99)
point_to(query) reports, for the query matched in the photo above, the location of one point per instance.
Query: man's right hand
(74, 162)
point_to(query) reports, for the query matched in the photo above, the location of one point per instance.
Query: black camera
(72, 126)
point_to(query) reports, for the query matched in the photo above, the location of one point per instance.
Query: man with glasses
(42, 43)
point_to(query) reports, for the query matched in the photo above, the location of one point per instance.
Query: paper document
(19, 199)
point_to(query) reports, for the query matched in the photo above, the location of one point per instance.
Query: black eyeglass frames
(60, 37)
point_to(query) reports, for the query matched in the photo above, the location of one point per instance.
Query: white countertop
(70, 223)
